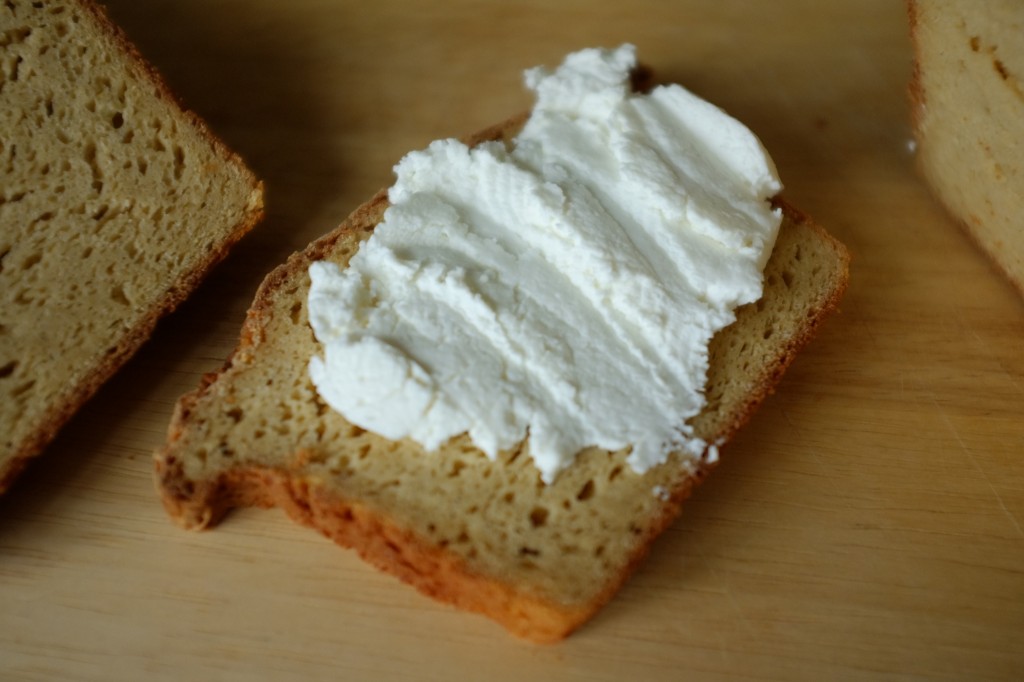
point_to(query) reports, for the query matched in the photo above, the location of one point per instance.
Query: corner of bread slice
(391, 547)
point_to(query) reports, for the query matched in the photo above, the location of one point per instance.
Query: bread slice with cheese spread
(114, 202)
(486, 536)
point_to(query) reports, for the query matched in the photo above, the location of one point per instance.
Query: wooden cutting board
(867, 524)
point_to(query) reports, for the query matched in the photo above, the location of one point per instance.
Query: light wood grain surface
(868, 523)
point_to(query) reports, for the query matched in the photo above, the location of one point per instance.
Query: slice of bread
(114, 202)
(967, 99)
(486, 536)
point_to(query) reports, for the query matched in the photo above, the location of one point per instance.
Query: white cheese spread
(565, 289)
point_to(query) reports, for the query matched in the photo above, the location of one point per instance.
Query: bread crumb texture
(113, 202)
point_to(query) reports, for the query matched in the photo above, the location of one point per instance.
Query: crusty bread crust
(915, 90)
(419, 561)
(76, 394)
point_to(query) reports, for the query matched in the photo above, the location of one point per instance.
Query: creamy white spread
(565, 289)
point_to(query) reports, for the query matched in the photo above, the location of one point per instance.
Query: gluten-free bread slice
(114, 202)
(967, 99)
(486, 536)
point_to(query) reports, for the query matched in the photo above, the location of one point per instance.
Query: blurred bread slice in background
(115, 201)
(967, 97)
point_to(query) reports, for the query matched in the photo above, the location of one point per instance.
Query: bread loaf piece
(967, 97)
(114, 202)
(487, 536)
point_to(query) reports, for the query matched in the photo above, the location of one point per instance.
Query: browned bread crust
(55, 408)
(221, 452)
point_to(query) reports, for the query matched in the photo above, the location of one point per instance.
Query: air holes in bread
(31, 261)
(586, 492)
(179, 162)
(23, 389)
(118, 296)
